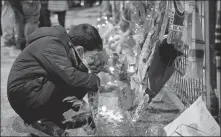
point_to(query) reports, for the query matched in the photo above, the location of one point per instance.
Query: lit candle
(104, 109)
(111, 69)
(115, 81)
(131, 68)
(135, 53)
(109, 83)
(111, 38)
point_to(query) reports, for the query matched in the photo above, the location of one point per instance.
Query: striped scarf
(218, 30)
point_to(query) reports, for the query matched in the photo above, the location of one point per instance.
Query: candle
(131, 68)
(111, 69)
(111, 38)
(98, 26)
(103, 109)
(109, 83)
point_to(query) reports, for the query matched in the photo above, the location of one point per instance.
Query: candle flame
(111, 69)
(109, 83)
(103, 109)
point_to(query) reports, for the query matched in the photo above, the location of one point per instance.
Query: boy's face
(86, 56)
(89, 55)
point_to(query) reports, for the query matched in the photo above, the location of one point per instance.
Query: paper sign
(195, 121)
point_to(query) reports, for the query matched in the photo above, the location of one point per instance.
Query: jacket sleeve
(54, 59)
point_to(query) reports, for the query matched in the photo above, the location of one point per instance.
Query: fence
(188, 89)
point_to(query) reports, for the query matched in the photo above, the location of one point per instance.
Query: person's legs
(31, 12)
(44, 18)
(34, 105)
(8, 23)
(47, 107)
(0, 21)
(41, 110)
(61, 17)
(100, 2)
(19, 17)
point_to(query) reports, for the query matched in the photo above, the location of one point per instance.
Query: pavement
(11, 123)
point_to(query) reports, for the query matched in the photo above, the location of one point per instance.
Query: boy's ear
(80, 51)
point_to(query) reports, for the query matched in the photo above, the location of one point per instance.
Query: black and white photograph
(110, 67)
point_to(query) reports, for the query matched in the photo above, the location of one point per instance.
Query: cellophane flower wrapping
(121, 98)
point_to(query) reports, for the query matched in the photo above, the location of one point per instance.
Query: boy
(48, 71)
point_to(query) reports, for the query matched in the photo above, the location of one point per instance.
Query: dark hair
(86, 36)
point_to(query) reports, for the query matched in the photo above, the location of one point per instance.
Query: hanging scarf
(176, 24)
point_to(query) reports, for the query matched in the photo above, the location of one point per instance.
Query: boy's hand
(74, 102)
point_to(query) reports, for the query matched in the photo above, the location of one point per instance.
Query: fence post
(217, 48)
(207, 57)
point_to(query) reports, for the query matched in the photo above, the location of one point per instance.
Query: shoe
(84, 120)
(90, 127)
(45, 127)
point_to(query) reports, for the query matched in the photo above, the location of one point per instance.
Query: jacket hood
(54, 31)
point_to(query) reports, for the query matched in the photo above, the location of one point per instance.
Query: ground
(11, 124)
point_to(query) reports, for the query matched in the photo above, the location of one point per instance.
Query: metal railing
(188, 89)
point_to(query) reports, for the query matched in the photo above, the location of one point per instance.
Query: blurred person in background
(19, 21)
(27, 14)
(0, 21)
(44, 20)
(90, 3)
(106, 8)
(7, 24)
(121, 12)
(59, 7)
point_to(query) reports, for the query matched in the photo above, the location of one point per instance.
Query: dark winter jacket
(48, 57)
